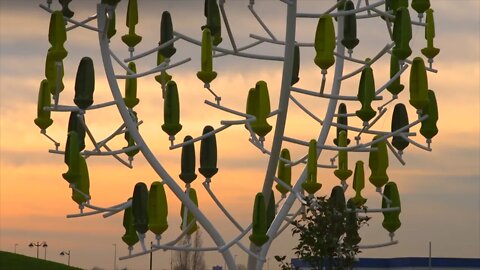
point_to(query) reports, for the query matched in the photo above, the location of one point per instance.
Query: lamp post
(63, 253)
(45, 247)
(38, 244)
(151, 247)
(15, 248)
(115, 257)
(430, 255)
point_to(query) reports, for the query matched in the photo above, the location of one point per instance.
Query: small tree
(190, 260)
(241, 267)
(328, 233)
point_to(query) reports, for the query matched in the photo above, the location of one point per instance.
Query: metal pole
(253, 263)
(146, 151)
(283, 100)
(63, 253)
(332, 105)
(430, 255)
(15, 248)
(151, 253)
(115, 257)
(37, 245)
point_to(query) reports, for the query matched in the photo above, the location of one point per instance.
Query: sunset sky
(440, 190)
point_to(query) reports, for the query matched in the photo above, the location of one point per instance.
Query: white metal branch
(237, 239)
(66, 108)
(246, 47)
(289, 188)
(86, 196)
(264, 26)
(351, 59)
(167, 246)
(329, 96)
(199, 138)
(227, 26)
(394, 97)
(328, 11)
(376, 132)
(289, 220)
(280, 42)
(341, 13)
(162, 67)
(44, 133)
(426, 148)
(77, 23)
(118, 207)
(374, 121)
(373, 60)
(206, 184)
(395, 153)
(112, 152)
(120, 62)
(307, 111)
(117, 132)
(230, 52)
(81, 119)
(396, 76)
(156, 49)
(82, 23)
(356, 148)
(408, 61)
(287, 2)
(249, 252)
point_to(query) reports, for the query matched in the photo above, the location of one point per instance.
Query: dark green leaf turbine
(188, 161)
(84, 83)
(208, 154)
(259, 224)
(43, 120)
(140, 207)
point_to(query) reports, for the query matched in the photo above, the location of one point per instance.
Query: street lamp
(115, 257)
(45, 247)
(151, 260)
(38, 244)
(63, 253)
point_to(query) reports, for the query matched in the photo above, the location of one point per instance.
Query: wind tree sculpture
(335, 43)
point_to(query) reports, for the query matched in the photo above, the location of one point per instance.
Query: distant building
(409, 263)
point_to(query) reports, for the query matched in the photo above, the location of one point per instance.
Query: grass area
(10, 261)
